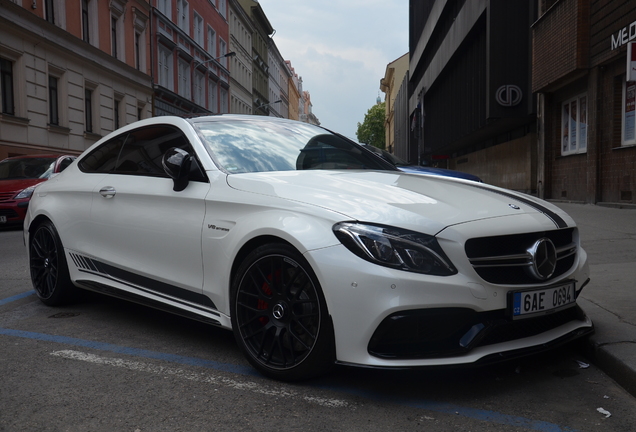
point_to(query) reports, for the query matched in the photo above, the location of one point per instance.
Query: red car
(18, 178)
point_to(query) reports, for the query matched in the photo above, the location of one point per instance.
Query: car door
(148, 235)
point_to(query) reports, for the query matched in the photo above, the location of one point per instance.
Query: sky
(341, 49)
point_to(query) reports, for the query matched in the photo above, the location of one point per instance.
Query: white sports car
(309, 247)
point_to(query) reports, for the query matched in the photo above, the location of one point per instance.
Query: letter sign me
(509, 95)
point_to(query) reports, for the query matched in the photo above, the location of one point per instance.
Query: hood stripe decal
(555, 218)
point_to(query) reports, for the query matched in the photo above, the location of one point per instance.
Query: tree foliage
(371, 131)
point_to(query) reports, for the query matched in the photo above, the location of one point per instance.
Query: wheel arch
(248, 247)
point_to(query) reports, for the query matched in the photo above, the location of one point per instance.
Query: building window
(117, 111)
(54, 104)
(222, 52)
(113, 35)
(49, 11)
(165, 68)
(85, 22)
(6, 86)
(224, 103)
(198, 29)
(212, 97)
(184, 79)
(199, 89)
(574, 125)
(164, 8)
(211, 41)
(629, 113)
(88, 109)
(182, 15)
(222, 8)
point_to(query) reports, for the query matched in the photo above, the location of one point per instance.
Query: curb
(612, 347)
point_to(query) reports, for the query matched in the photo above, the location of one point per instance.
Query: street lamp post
(268, 104)
(230, 54)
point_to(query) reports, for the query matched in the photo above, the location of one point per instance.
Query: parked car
(402, 165)
(312, 250)
(18, 178)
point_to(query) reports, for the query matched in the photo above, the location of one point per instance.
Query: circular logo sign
(543, 258)
(509, 95)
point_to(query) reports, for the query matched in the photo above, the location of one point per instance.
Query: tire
(49, 270)
(279, 315)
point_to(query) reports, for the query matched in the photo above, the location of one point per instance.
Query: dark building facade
(586, 105)
(470, 101)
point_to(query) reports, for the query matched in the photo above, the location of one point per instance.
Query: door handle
(107, 192)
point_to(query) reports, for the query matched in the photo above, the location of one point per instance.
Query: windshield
(26, 168)
(246, 145)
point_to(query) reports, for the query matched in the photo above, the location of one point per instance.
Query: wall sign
(626, 34)
(509, 95)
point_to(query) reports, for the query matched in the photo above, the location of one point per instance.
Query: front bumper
(395, 319)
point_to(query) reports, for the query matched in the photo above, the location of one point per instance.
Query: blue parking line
(439, 407)
(16, 297)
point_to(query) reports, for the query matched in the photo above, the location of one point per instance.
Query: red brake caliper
(262, 304)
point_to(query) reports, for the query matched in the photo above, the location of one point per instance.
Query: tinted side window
(144, 148)
(65, 163)
(104, 157)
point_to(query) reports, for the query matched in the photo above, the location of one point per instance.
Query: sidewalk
(609, 237)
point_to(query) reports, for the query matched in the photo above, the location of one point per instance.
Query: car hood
(423, 203)
(18, 184)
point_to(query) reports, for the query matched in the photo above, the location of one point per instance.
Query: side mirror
(176, 163)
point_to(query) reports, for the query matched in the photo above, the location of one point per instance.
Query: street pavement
(608, 235)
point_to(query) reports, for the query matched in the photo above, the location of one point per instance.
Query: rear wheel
(279, 315)
(49, 272)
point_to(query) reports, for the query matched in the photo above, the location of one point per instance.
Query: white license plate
(528, 303)
(3, 219)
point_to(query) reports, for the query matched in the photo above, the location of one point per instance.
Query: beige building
(390, 86)
(70, 78)
(241, 71)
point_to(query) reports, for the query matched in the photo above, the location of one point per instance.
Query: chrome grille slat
(507, 260)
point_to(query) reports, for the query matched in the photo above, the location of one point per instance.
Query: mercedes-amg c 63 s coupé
(310, 248)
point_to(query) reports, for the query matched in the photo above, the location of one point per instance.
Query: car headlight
(395, 247)
(26, 193)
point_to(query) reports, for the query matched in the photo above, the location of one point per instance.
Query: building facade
(471, 106)
(241, 71)
(71, 72)
(279, 76)
(190, 46)
(395, 73)
(586, 100)
(294, 95)
(260, 63)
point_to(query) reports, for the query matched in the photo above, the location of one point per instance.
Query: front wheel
(49, 272)
(279, 315)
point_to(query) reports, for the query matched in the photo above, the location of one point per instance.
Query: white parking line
(199, 377)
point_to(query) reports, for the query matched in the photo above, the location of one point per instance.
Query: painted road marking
(199, 377)
(440, 407)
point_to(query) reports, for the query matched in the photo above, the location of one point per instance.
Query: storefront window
(574, 125)
(629, 113)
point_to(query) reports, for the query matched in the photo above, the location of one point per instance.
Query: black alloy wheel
(280, 317)
(49, 272)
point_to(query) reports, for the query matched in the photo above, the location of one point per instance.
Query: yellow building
(390, 85)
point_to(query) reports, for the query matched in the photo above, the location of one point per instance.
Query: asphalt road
(105, 365)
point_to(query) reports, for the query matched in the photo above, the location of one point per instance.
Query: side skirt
(145, 301)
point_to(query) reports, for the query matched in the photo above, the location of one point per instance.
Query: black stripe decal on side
(555, 218)
(149, 285)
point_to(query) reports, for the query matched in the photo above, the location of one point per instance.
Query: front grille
(9, 213)
(506, 260)
(6, 196)
(448, 332)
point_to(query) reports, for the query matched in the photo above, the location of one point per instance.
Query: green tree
(371, 131)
